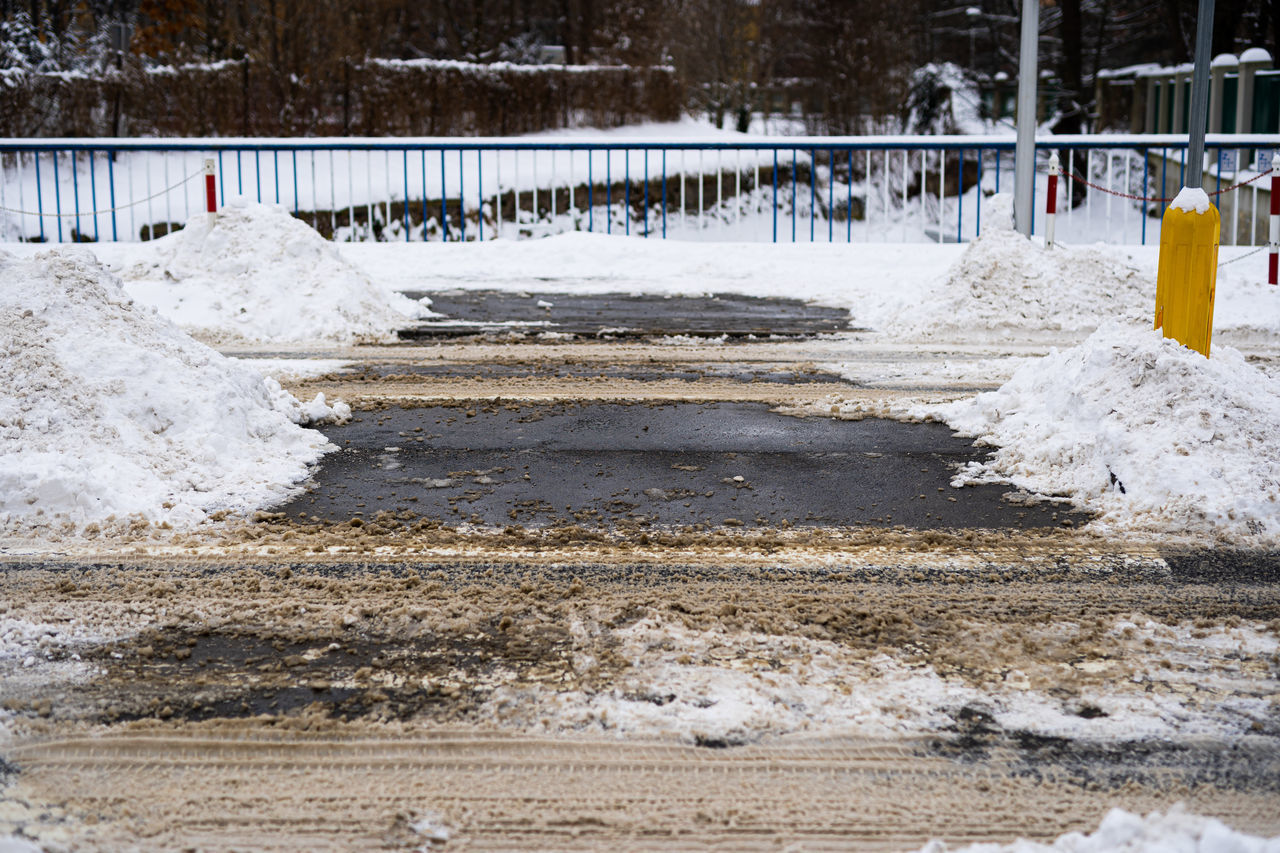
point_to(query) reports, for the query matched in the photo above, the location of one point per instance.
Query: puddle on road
(609, 465)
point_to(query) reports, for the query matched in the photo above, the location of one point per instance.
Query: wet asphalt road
(731, 464)
(627, 315)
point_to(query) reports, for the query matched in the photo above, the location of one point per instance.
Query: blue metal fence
(790, 189)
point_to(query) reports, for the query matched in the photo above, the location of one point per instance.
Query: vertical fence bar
(444, 209)
(737, 188)
(462, 199)
(906, 167)
(1164, 169)
(848, 226)
(1146, 180)
(257, 173)
(646, 193)
(368, 188)
(1071, 170)
(608, 190)
(386, 174)
(275, 172)
(755, 184)
(351, 194)
(573, 201)
(795, 199)
(684, 204)
(333, 194)
(831, 195)
(39, 197)
(1110, 191)
(813, 192)
(315, 202)
(168, 204)
(75, 192)
(515, 167)
(719, 182)
(775, 195)
(497, 194)
(1128, 186)
(295, 182)
(93, 195)
(111, 186)
(960, 195)
(533, 169)
(591, 211)
(22, 196)
(480, 195)
(404, 164)
(222, 178)
(942, 192)
(626, 183)
(57, 196)
(664, 193)
(977, 214)
(702, 175)
(423, 162)
(884, 191)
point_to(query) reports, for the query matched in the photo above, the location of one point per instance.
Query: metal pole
(1024, 166)
(1199, 96)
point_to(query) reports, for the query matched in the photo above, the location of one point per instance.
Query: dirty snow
(1133, 426)
(107, 410)
(725, 688)
(261, 275)
(1175, 831)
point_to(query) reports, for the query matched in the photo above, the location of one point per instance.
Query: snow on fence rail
(837, 189)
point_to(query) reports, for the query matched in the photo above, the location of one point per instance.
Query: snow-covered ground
(261, 275)
(110, 413)
(1174, 831)
(723, 687)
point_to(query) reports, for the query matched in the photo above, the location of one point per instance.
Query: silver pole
(1024, 160)
(1199, 96)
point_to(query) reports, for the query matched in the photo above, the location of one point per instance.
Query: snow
(108, 411)
(1191, 200)
(726, 688)
(1174, 831)
(13, 844)
(259, 274)
(1131, 425)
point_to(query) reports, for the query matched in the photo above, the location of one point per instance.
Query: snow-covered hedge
(375, 98)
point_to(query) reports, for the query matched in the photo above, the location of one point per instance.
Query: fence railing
(783, 189)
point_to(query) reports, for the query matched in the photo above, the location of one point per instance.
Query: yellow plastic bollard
(1188, 274)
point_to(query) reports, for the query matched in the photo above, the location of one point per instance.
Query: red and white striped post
(1273, 260)
(210, 192)
(1051, 202)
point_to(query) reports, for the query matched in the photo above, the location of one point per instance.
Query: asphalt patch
(624, 315)
(610, 465)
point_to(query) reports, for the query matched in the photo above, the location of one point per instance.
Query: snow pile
(1140, 429)
(1004, 280)
(259, 274)
(108, 410)
(1122, 832)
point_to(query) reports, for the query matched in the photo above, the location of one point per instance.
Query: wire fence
(780, 189)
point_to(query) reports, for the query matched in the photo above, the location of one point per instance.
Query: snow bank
(108, 410)
(262, 275)
(1140, 429)
(1122, 832)
(1004, 280)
